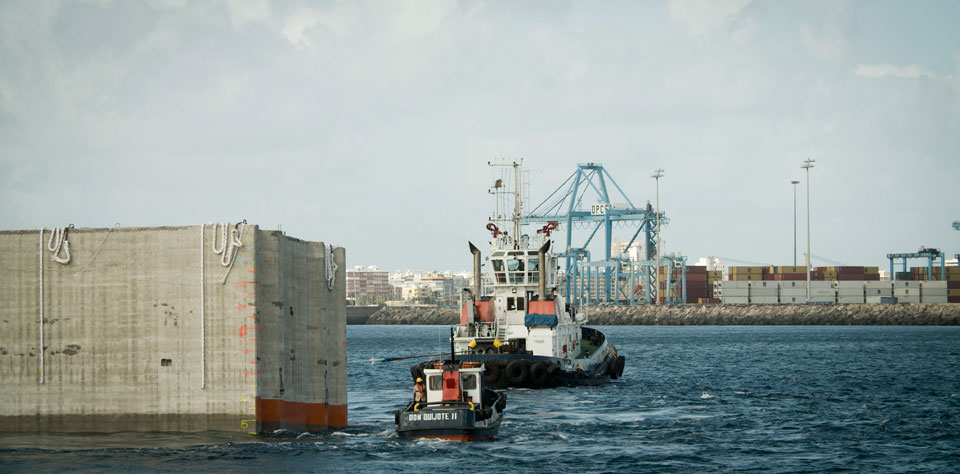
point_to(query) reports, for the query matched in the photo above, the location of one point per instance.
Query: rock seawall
(720, 315)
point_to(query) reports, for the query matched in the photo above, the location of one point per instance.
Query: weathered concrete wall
(138, 334)
(845, 314)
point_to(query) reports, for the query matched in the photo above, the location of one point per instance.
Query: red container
(697, 277)
(871, 277)
(697, 269)
(953, 299)
(953, 285)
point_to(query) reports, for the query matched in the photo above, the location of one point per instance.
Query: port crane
(930, 254)
(591, 198)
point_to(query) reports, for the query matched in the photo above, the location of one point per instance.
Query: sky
(369, 124)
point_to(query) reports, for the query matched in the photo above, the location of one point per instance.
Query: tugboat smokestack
(476, 271)
(542, 271)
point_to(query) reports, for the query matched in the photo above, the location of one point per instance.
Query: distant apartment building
(441, 288)
(368, 285)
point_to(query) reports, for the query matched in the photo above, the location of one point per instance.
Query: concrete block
(146, 329)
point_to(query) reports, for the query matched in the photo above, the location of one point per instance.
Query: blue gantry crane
(930, 254)
(589, 186)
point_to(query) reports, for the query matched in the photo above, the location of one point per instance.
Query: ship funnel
(542, 270)
(476, 270)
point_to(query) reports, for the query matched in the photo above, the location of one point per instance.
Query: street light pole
(807, 165)
(794, 183)
(657, 174)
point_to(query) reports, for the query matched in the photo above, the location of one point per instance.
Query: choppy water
(881, 399)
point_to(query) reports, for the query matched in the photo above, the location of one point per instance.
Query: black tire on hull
(517, 372)
(553, 375)
(621, 363)
(538, 374)
(491, 372)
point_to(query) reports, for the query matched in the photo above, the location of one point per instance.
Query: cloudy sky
(370, 124)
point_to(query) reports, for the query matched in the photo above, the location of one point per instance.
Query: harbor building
(191, 328)
(369, 285)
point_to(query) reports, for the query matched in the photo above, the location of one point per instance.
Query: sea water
(692, 399)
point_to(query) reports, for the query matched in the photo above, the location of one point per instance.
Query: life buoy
(491, 372)
(517, 372)
(538, 374)
(491, 350)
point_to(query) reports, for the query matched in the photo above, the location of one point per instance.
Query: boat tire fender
(491, 372)
(396, 417)
(517, 372)
(621, 363)
(538, 374)
(553, 374)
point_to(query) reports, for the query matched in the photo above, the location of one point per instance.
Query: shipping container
(850, 299)
(764, 299)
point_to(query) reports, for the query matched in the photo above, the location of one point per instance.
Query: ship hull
(602, 365)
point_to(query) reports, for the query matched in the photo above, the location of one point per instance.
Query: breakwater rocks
(706, 315)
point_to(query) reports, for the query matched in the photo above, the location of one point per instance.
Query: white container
(898, 292)
(933, 285)
(925, 292)
(823, 292)
(906, 284)
(762, 284)
(793, 292)
(878, 285)
(873, 299)
(822, 299)
(933, 299)
(793, 284)
(821, 284)
(908, 299)
(848, 284)
(735, 300)
(735, 292)
(764, 300)
(735, 284)
(850, 299)
(792, 299)
(849, 292)
(888, 291)
(763, 292)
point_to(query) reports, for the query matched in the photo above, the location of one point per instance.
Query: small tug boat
(456, 406)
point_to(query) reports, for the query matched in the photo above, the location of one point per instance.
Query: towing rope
(58, 242)
(228, 245)
(331, 266)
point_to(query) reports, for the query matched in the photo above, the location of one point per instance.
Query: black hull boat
(455, 405)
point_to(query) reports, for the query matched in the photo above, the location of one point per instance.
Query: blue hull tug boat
(456, 406)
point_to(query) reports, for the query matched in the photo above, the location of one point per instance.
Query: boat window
(514, 265)
(533, 264)
(532, 275)
(511, 303)
(501, 277)
(515, 253)
(498, 265)
(516, 277)
(520, 303)
(436, 383)
(469, 382)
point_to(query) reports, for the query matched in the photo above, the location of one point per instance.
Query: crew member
(418, 391)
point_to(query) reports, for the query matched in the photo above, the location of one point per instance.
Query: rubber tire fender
(517, 372)
(553, 375)
(538, 374)
(491, 372)
(396, 417)
(502, 402)
(416, 371)
(612, 369)
(621, 363)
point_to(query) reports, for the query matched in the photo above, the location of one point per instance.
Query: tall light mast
(807, 165)
(657, 174)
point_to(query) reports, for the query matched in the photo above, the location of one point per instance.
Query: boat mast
(517, 200)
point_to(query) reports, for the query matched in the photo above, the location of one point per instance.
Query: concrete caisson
(150, 329)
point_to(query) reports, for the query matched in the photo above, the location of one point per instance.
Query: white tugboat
(526, 334)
